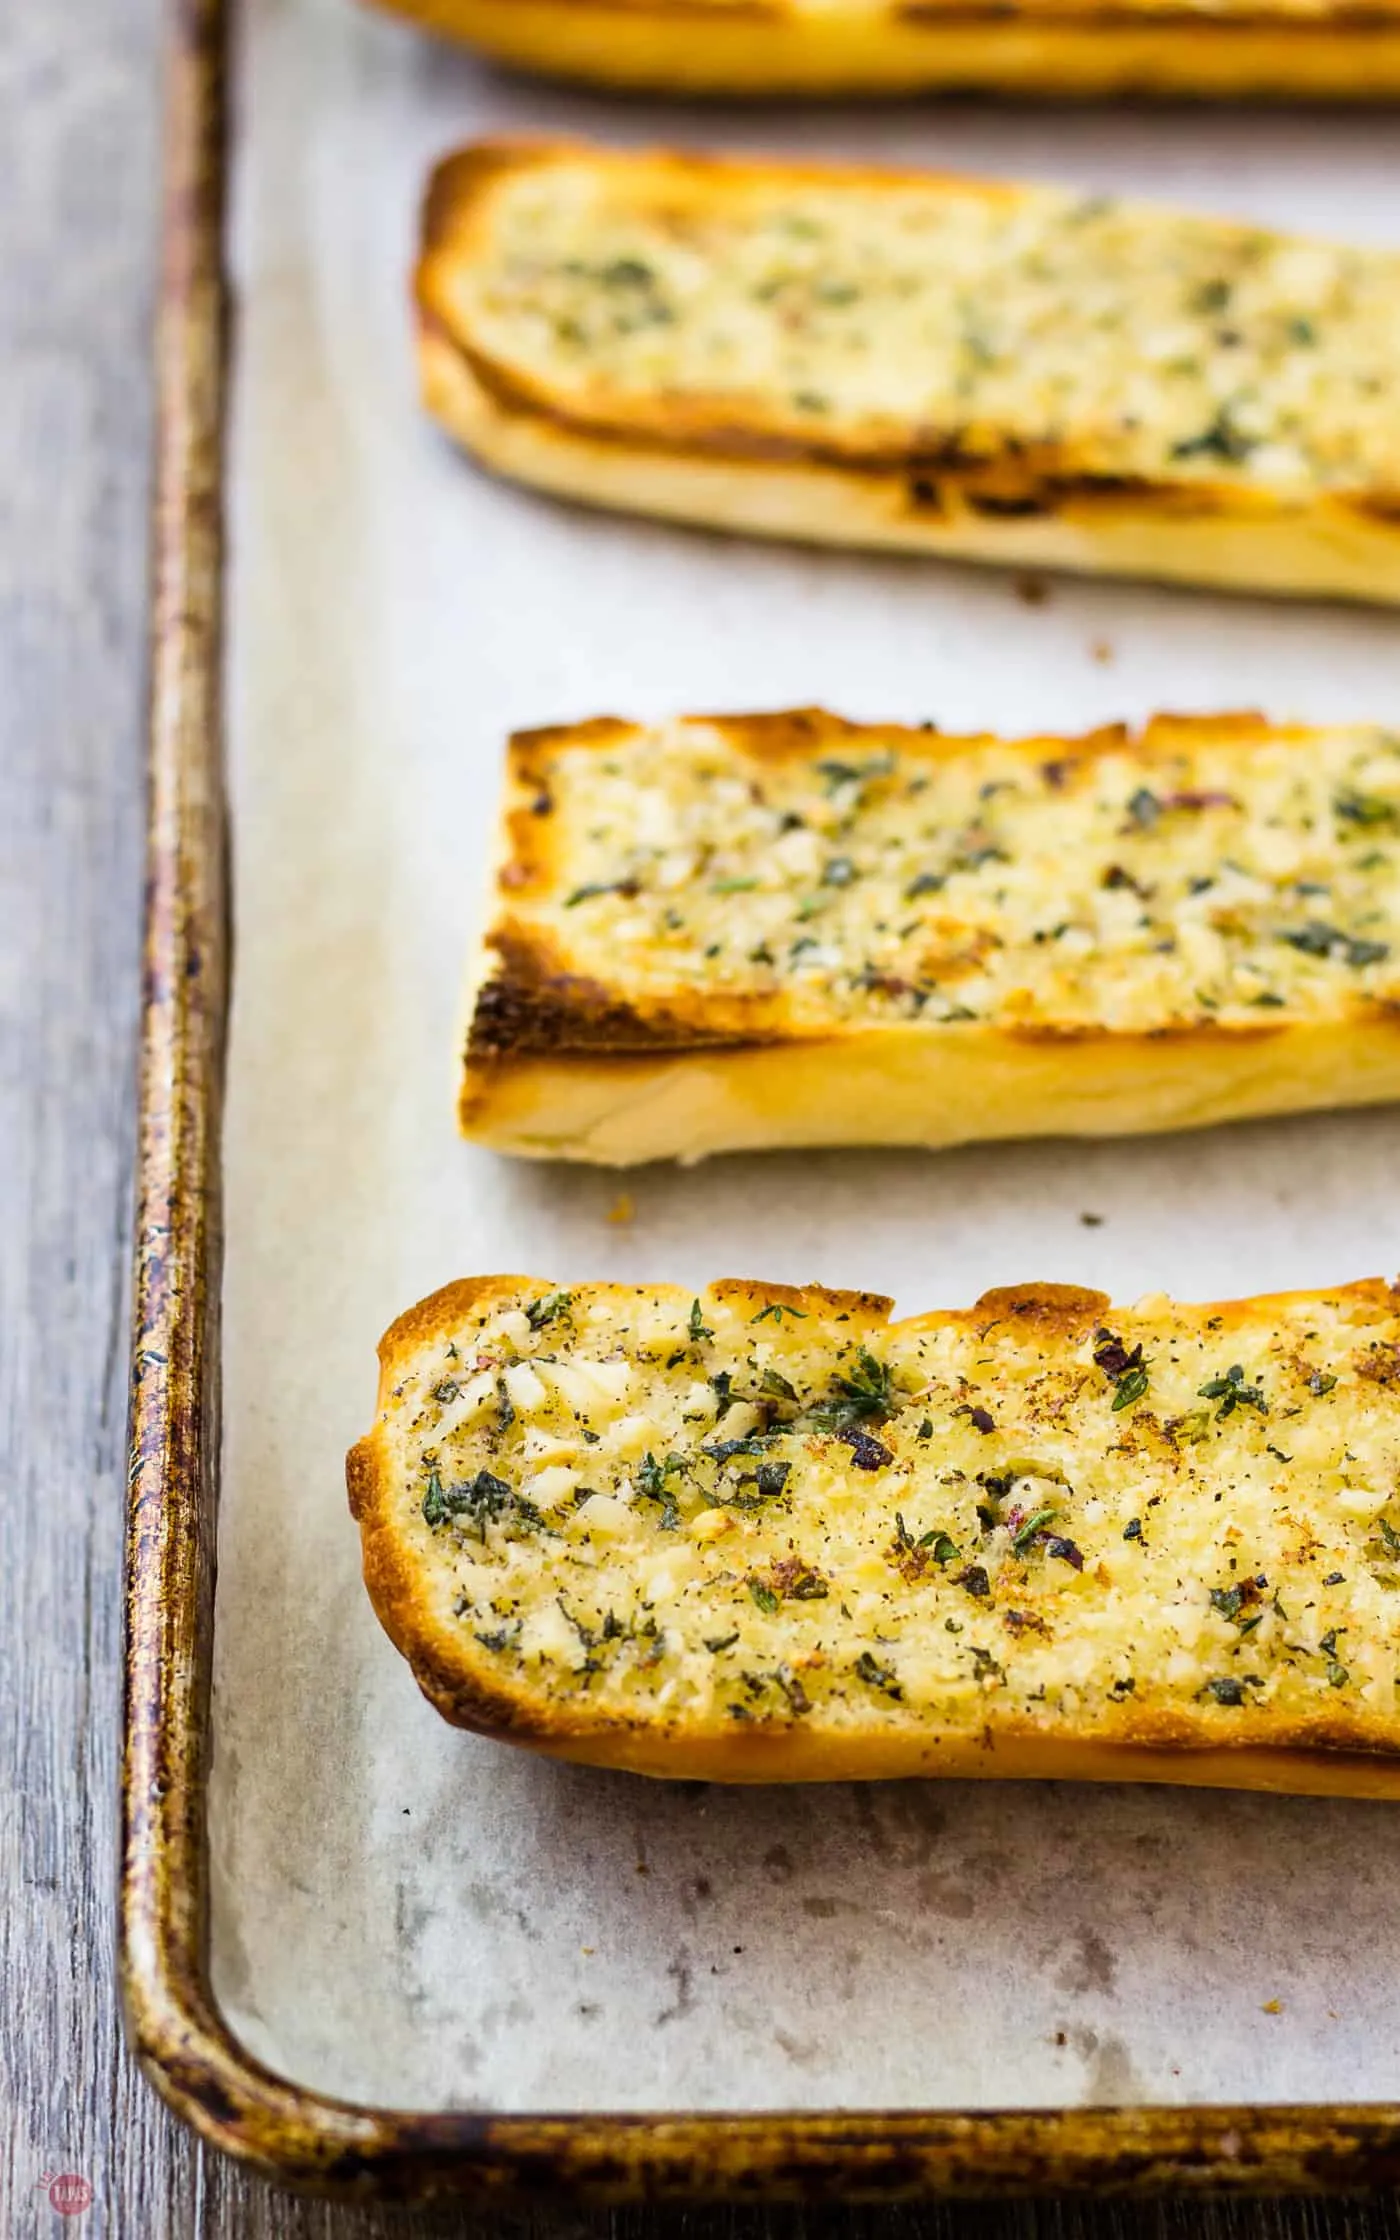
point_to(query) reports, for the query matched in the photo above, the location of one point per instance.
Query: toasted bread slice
(1308, 49)
(746, 932)
(766, 1535)
(932, 364)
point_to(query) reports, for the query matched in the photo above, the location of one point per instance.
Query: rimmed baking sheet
(408, 1916)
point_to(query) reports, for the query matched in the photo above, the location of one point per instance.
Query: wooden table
(79, 92)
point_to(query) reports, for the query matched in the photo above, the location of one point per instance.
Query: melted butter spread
(736, 1508)
(1090, 336)
(1213, 876)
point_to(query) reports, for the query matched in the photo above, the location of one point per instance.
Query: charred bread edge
(556, 1065)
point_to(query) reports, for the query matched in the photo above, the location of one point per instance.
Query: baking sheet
(410, 1916)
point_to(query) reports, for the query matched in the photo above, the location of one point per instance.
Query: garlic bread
(748, 932)
(1231, 49)
(768, 1535)
(926, 363)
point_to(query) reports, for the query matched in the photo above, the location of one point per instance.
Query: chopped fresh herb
(626, 272)
(1318, 940)
(1065, 1551)
(839, 872)
(1127, 1370)
(480, 1500)
(982, 1418)
(838, 774)
(1390, 1538)
(733, 886)
(866, 1391)
(1227, 1600)
(724, 1450)
(1230, 1691)
(1221, 440)
(1132, 1530)
(1031, 1530)
(1232, 1392)
(799, 1701)
(878, 1676)
(722, 1641)
(770, 1478)
(1320, 1385)
(776, 1385)
(696, 1325)
(599, 887)
(1337, 1675)
(651, 1485)
(867, 1453)
(1129, 1388)
(1366, 809)
(1144, 808)
(1122, 1688)
(775, 1311)
(1335, 1579)
(985, 1663)
(446, 1392)
(548, 1309)
(764, 1596)
(927, 882)
(1212, 295)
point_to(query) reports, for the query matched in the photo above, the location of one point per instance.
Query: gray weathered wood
(78, 131)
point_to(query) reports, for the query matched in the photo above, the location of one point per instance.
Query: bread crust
(1342, 1752)
(560, 1063)
(1054, 50)
(740, 468)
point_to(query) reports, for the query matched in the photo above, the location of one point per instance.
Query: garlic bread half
(925, 363)
(753, 932)
(766, 1534)
(1232, 49)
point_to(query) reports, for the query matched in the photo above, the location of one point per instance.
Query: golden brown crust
(1342, 1752)
(563, 1059)
(1329, 49)
(759, 467)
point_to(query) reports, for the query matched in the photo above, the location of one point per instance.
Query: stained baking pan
(361, 1951)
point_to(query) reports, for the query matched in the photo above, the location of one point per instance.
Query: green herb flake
(1024, 1534)
(877, 1675)
(1232, 1392)
(1130, 1389)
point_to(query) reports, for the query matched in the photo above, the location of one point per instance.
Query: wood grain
(79, 91)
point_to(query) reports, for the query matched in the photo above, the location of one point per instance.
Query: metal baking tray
(360, 1951)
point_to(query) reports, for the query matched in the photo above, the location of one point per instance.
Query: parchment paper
(407, 1915)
